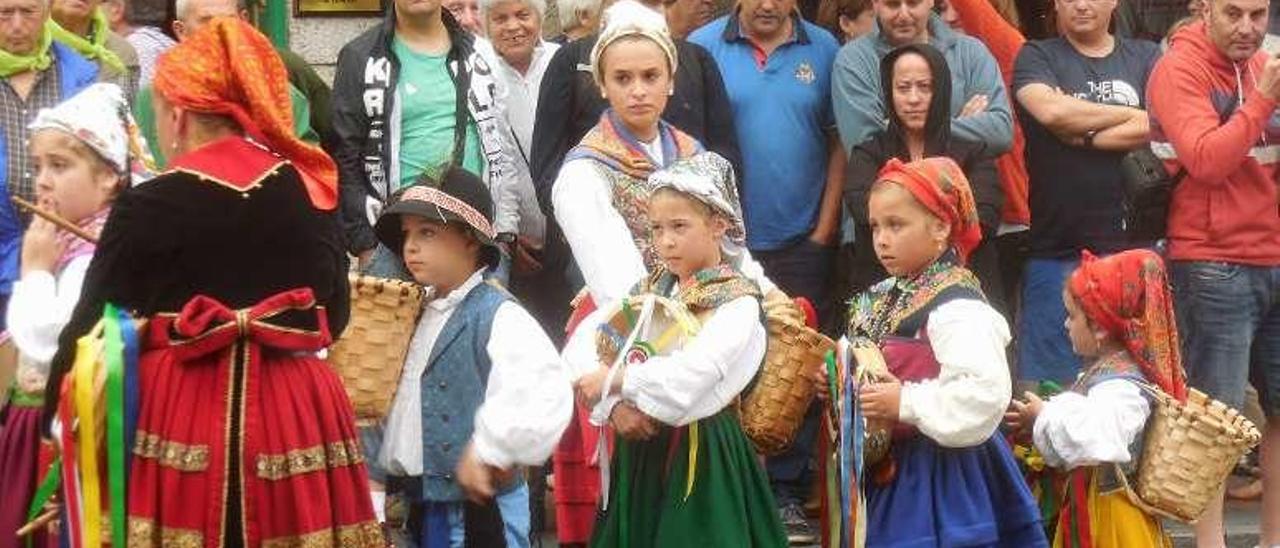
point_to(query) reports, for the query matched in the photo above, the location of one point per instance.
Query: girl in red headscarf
(949, 477)
(1120, 316)
(244, 436)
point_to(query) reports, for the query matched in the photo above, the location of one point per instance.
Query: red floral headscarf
(1127, 294)
(941, 187)
(228, 67)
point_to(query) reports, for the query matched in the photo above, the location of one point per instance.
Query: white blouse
(527, 402)
(601, 242)
(694, 382)
(1075, 430)
(963, 406)
(41, 306)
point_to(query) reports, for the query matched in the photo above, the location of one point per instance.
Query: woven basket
(371, 352)
(1189, 451)
(773, 410)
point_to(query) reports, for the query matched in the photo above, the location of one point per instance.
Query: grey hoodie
(859, 104)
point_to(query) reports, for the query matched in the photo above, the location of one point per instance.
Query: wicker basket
(1189, 451)
(773, 410)
(371, 352)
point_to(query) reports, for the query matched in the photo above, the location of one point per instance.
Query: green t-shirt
(427, 109)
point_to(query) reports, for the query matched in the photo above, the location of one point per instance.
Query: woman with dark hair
(917, 90)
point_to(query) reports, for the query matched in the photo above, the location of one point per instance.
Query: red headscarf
(941, 187)
(228, 67)
(1128, 295)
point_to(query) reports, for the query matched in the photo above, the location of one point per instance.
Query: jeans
(1044, 350)
(514, 507)
(1229, 322)
(803, 270)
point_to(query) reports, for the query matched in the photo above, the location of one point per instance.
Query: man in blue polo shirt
(777, 70)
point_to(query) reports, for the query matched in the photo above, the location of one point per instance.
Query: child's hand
(478, 480)
(590, 386)
(1022, 416)
(880, 400)
(631, 423)
(40, 246)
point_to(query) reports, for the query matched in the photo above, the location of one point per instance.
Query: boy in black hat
(483, 389)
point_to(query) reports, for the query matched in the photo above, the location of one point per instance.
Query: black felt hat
(458, 197)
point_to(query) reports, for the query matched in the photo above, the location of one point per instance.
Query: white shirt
(41, 306)
(1075, 430)
(693, 382)
(521, 106)
(963, 406)
(599, 237)
(527, 402)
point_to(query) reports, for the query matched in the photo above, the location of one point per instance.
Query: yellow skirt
(1114, 522)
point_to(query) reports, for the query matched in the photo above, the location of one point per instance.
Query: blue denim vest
(453, 388)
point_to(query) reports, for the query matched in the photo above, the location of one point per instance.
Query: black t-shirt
(1076, 193)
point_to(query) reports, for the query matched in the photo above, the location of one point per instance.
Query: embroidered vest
(630, 196)
(453, 388)
(1112, 370)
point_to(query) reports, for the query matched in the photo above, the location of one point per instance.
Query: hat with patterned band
(459, 197)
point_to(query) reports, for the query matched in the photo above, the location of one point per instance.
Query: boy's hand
(1021, 417)
(478, 480)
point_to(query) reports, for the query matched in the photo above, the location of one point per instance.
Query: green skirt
(651, 504)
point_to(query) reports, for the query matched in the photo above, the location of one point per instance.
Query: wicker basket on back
(371, 352)
(1190, 449)
(773, 409)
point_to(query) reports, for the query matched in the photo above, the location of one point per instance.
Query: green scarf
(99, 29)
(11, 64)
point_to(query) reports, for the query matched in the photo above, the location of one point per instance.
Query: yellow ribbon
(88, 352)
(693, 458)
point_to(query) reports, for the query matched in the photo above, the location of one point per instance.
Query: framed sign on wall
(321, 8)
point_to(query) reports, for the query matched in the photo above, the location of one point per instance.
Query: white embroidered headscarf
(100, 118)
(708, 178)
(630, 18)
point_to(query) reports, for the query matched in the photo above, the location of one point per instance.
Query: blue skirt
(943, 497)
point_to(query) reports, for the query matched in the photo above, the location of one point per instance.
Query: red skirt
(243, 431)
(577, 479)
(19, 449)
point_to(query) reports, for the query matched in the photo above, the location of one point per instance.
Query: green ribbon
(48, 486)
(99, 29)
(11, 64)
(113, 356)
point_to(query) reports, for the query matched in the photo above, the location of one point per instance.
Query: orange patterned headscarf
(1128, 295)
(941, 187)
(228, 67)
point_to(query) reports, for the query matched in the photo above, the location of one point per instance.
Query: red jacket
(1208, 117)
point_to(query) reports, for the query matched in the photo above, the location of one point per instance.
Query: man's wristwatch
(505, 238)
(1088, 138)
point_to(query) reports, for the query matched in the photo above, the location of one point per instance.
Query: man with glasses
(1081, 101)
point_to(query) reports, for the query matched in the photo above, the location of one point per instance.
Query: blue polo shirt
(782, 112)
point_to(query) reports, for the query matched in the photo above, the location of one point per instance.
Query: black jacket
(363, 92)
(570, 104)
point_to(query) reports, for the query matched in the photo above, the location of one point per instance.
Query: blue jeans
(514, 507)
(1229, 321)
(1044, 350)
(805, 269)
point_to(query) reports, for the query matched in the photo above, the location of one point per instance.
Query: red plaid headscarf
(941, 187)
(1128, 295)
(228, 67)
